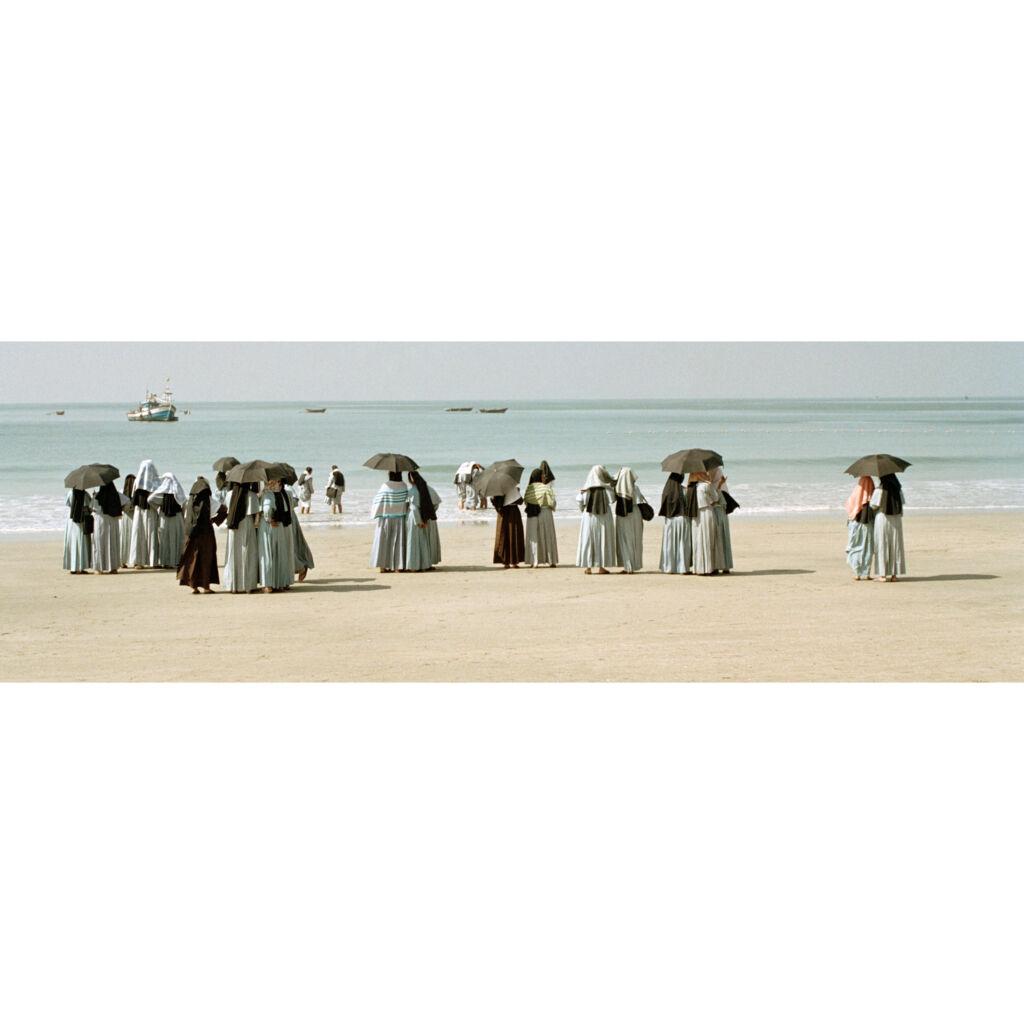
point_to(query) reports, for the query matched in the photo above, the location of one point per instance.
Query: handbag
(646, 512)
(731, 504)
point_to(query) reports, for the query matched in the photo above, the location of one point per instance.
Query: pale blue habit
(106, 541)
(241, 564)
(723, 531)
(596, 546)
(860, 547)
(708, 545)
(144, 549)
(890, 559)
(677, 545)
(126, 529)
(390, 508)
(276, 547)
(422, 543)
(77, 545)
(170, 532)
(629, 536)
(303, 556)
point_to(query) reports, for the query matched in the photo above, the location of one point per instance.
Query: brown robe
(198, 565)
(509, 541)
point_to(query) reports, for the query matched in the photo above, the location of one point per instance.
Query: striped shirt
(540, 494)
(391, 503)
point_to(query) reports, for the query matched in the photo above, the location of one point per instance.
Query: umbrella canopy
(877, 465)
(253, 472)
(691, 460)
(494, 482)
(96, 474)
(509, 466)
(223, 465)
(281, 471)
(391, 463)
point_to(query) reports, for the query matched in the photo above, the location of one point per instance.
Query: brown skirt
(198, 565)
(509, 542)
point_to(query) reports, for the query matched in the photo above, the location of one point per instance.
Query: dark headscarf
(282, 510)
(129, 485)
(690, 507)
(77, 513)
(338, 478)
(221, 479)
(198, 508)
(672, 497)
(597, 501)
(109, 501)
(169, 506)
(239, 504)
(140, 498)
(536, 477)
(546, 476)
(426, 505)
(392, 475)
(892, 497)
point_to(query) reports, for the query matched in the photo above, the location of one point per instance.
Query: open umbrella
(223, 465)
(253, 472)
(509, 466)
(96, 474)
(877, 465)
(391, 463)
(498, 478)
(281, 471)
(691, 460)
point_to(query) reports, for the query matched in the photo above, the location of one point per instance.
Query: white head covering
(625, 483)
(597, 477)
(717, 476)
(169, 485)
(147, 477)
(465, 468)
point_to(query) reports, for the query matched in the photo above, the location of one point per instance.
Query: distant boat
(495, 410)
(155, 410)
(461, 408)
(187, 412)
(58, 412)
(317, 410)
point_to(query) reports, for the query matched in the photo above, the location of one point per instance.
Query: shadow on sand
(337, 579)
(952, 577)
(340, 589)
(774, 572)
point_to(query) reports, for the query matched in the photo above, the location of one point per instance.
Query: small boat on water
(317, 410)
(461, 408)
(155, 410)
(57, 412)
(495, 410)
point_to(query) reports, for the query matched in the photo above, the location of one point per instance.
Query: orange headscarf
(860, 495)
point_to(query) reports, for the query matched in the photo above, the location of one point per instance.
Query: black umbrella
(223, 465)
(281, 471)
(391, 463)
(494, 482)
(509, 466)
(96, 474)
(691, 460)
(877, 465)
(249, 472)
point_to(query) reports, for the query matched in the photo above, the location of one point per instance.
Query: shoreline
(789, 611)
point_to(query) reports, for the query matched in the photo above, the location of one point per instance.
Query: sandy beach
(790, 611)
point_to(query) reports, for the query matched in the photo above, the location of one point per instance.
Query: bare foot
(302, 575)
(586, 572)
(603, 572)
(194, 592)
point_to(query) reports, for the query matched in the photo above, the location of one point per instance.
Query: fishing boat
(495, 410)
(466, 408)
(155, 410)
(58, 412)
(317, 410)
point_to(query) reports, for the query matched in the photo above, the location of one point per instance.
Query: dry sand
(790, 611)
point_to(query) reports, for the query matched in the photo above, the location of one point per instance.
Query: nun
(629, 523)
(303, 556)
(860, 533)
(541, 539)
(145, 550)
(390, 508)
(509, 540)
(78, 532)
(422, 543)
(708, 554)
(889, 558)
(241, 566)
(220, 497)
(126, 519)
(596, 547)
(106, 534)
(169, 497)
(335, 490)
(721, 485)
(276, 544)
(305, 486)
(677, 538)
(198, 568)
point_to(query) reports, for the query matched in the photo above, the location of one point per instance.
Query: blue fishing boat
(155, 410)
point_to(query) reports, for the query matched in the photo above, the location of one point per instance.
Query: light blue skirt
(860, 547)
(276, 555)
(677, 545)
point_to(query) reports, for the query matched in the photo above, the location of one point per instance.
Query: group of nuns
(875, 529)
(405, 537)
(151, 524)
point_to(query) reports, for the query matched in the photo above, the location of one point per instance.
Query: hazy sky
(94, 371)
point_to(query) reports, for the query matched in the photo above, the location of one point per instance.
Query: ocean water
(782, 457)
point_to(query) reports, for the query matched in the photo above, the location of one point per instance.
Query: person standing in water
(305, 486)
(335, 490)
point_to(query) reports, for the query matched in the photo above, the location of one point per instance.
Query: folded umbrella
(691, 460)
(223, 465)
(253, 472)
(391, 463)
(95, 474)
(877, 465)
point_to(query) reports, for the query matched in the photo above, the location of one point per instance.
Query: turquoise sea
(782, 457)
